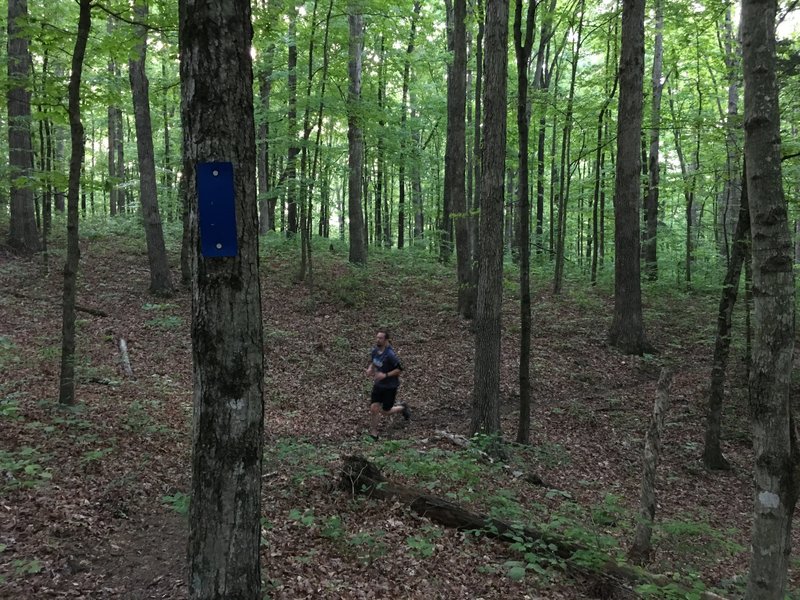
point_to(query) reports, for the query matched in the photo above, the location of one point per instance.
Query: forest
(579, 220)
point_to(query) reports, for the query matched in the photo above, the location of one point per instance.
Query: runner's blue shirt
(384, 362)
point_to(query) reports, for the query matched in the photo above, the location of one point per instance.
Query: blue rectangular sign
(216, 209)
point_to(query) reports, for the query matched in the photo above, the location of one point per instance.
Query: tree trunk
(774, 437)
(380, 159)
(651, 203)
(640, 549)
(355, 140)
(455, 145)
(456, 155)
(294, 150)
(475, 202)
(522, 48)
(627, 326)
(401, 203)
(598, 197)
(160, 279)
(712, 452)
(66, 393)
(733, 185)
(266, 195)
(564, 178)
(219, 134)
(23, 235)
(486, 393)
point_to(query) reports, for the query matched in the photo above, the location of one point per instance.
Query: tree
(712, 452)
(66, 393)
(23, 234)
(219, 141)
(355, 139)
(160, 279)
(627, 326)
(485, 396)
(523, 48)
(455, 199)
(774, 438)
(653, 167)
(401, 201)
(565, 178)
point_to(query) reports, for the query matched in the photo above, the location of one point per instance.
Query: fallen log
(609, 579)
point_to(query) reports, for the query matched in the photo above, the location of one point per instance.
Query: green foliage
(24, 567)
(23, 468)
(369, 545)
(682, 587)
(162, 321)
(9, 354)
(9, 409)
(424, 545)
(697, 537)
(166, 322)
(609, 512)
(305, 517)
(179, 502)
(138, 417)
(95, 455)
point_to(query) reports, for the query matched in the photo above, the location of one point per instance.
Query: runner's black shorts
(384, 396)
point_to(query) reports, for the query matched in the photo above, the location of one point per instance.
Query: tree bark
(355, 140)
(712, 452)
(640, 549)
(401, 202)
(653, 167)
(23, 235)
(218, 126)
(627, 326)
(66, 393)
(160, 278)
(523, 48)
(485, 396)
(294, 149)
(774, 437)
(564, 176)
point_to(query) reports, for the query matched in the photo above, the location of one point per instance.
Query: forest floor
(93, 498)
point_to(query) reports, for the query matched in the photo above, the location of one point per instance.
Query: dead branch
(79, 307)
(640, 549)
(124, 359)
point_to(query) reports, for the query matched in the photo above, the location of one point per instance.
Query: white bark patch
(769, 500)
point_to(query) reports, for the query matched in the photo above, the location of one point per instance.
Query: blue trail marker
(216, 208)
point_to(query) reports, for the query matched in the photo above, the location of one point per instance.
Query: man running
(384, 369)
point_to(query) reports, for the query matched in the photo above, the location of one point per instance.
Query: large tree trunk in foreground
(22, 232)
(66, 393)
(160, 279)
(485, 396)
(627, 326)
(219, 141)
(774, 438)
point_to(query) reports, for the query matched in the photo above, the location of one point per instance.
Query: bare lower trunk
(67, 380)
